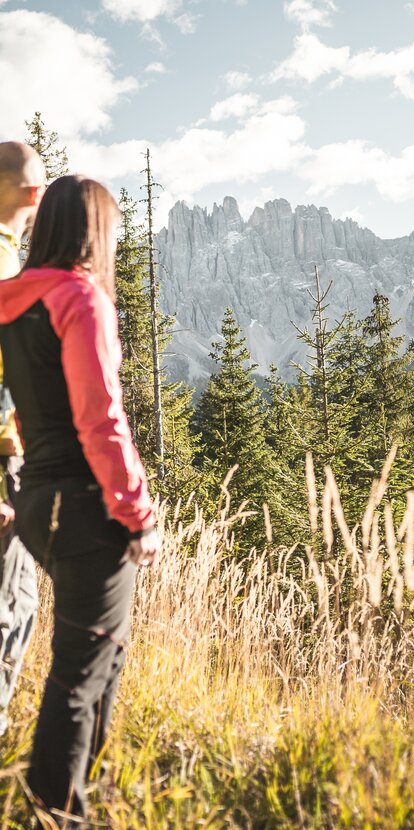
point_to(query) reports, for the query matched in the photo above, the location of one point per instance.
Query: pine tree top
(46, 143)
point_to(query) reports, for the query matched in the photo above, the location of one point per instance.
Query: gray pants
(18, 605)
(18, 599)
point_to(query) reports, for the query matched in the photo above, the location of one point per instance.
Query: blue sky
(310, 100)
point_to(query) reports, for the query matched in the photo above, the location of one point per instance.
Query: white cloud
(336, 82)
(310, 12)
(247, 206)
(270, 140)
(355, 214)
(151, 33)
(106, 162)
(351, 162)
(397, 66)
(48, 66)
(90, 16)
(237, 106)
(147, 12)
(358, 162)
(235, 81)
(157, 68)
(241, 105)
(311, 58)
(186, 23)
(142, 10)
(263, 146)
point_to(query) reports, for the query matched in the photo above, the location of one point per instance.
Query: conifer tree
(348, 360)
(389, 399)
(277, 421)
(358, 401)
(285, 405)
(135, 329)
(149, 186)
(324, 424)
(389, 370)
(181, 449)
(46, 143)
(230, 417)
(330, 416)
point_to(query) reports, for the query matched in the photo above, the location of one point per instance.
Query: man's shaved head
(22, 184)
(20, 164)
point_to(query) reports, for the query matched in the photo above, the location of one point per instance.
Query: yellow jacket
(9, 267)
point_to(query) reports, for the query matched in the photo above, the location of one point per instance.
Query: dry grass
(273, 692)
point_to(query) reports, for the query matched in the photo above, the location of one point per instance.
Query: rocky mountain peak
(262, 268)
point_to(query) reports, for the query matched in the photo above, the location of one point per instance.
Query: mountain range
(263, 268)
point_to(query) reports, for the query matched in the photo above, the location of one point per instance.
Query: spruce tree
(135, 329)
(183, 476)
(231, 419)
(323, 423)
(134, 316)
(288, 502)
(388, 369)
(277, 421)
(330, 413)
(46, 143)
(356, 401)
(389, 399)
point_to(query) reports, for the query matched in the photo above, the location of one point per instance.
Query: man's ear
(34, 195)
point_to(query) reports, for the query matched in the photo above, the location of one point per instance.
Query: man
(22, 183)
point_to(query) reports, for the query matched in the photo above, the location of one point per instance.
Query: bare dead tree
(320, 333)
(158, 410)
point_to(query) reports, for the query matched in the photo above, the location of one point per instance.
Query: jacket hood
(21, 292)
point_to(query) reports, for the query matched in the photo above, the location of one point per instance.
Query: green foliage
(231, 420)
(354, 402)
(46, 143)
(286, 406)
(348, 407)
(134, 314)
(183, 477)
(389, 397)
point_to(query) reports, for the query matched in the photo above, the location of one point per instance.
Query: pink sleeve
(86, 323)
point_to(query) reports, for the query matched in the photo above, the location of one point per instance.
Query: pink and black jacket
(61, 352)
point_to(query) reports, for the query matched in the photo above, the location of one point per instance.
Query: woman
(84, 510)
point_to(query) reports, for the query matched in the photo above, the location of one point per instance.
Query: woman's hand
(145, 551)
(10, 447)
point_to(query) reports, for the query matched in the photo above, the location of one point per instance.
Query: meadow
(273, 690)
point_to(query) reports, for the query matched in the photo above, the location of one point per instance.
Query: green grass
(267, 693)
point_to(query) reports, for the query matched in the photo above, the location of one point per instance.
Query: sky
(308, 100)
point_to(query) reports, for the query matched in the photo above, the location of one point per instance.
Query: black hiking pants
(84, 553)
